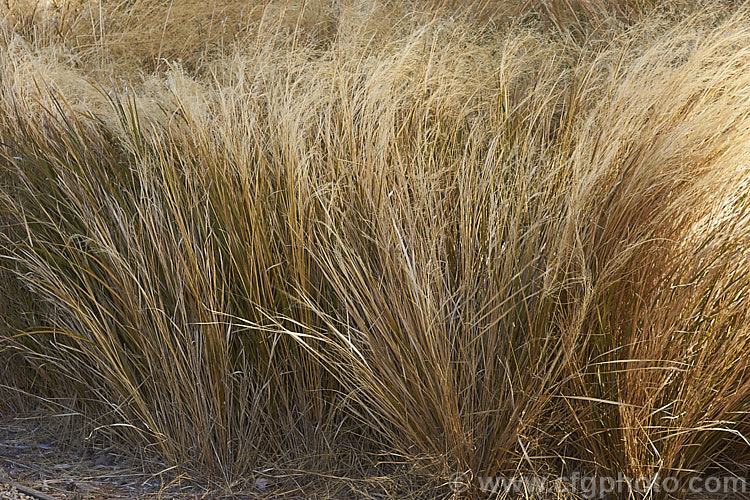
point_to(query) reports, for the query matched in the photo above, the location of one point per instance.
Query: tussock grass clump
(663, 191)
(372, 230)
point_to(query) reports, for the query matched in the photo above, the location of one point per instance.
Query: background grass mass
(323, 235)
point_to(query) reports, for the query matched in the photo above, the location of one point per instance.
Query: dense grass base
(481, 240)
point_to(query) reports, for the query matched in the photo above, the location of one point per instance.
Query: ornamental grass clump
(343, 238)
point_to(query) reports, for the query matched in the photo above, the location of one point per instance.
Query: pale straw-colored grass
(476, 244)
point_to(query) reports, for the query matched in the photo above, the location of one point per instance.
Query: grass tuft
(333, 237)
